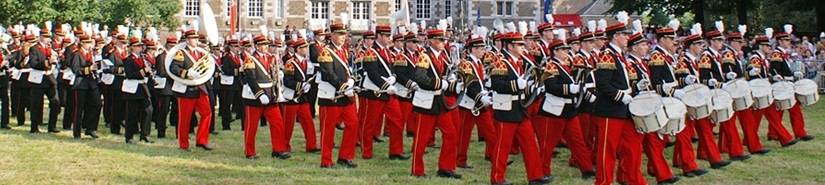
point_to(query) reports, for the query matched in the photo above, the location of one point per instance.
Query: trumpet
(480, 105)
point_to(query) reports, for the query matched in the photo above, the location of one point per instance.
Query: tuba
(205, 65)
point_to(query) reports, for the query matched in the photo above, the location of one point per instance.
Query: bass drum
(783, 94)
(722, 106)
(806, 92)
(740, 91)
(762, 93)
(697, 99)
(675, 112)
(648, 112)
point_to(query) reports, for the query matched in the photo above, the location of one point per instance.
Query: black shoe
(588, 175)
(34, 131)
(252, 157)
(792, 142)
(161, 136)
(93, 135)
(340, 126)
(740, 158)
(547, 179)
(347, 163)
(762, 152)
(314, 150)
(720, 164)
(695, 173)
(5, 127)
(448, 174)
(503, 183)
(226, 128)
(410, 134)
(378, 140)
(465, 166)
(433, 145)
(672, 180)
(401, 157)
(146, 140)
(54, 131)
(129, 141)
(205, 147)
(807, 138)
(544, 180)
(669, 144)
(281, 155)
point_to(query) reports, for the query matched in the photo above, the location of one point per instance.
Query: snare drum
(648, 112)
(762, 93)
(740, 91)
(806, 92)
(697, 99)
(783, 94)
(675, 112)
(722, 106)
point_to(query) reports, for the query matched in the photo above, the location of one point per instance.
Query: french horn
(205, 65)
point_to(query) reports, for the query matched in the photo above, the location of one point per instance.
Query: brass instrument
(205, 66)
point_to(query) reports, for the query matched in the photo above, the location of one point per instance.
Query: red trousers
(523, 134)
(484, 120)
(302, 113)
(774, 118)
(331, 116)
(185, 108)
(570, 129)
(707, 143)
(617, 138)
(797, 120)
(683, 152)
(654, 148)
(424, 132)
(252, 117)
(750, 129)
(589, 129)
(729, 140)
(408, 114)
(371, 113)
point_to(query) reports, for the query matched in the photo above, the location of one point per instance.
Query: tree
(158, 13)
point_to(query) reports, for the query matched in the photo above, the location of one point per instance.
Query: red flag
(233, 16)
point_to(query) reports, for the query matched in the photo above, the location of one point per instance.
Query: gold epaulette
(755, 62)
(423, 61)
(248, 63)
(179, 56)
(704, 62)
(729, 58)
(551, 70)
(499, 68)
(324, 56)
(466, 67)
(289, 67)
(399, 60)
(777, 57)
(657, 59)
(606, 62)
(682, 68)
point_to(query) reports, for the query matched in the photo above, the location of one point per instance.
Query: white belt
(517, 97)
(589, 85)
(26, 70)
(437, 92)
(264, 85)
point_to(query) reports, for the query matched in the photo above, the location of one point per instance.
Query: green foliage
(158, 13)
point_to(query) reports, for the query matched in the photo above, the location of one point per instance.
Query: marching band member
(474, 76)
(85, 89)
(507, 81)
(745, 117)
(616, 131)
(191, 98)
(113, 79)
(759, 68)
(726, 58)
(20, 62)
(5, 60)
(261, 75)
(65, 47)
(584, 62)
(231, 81)
(297, 80)
(780, 68)
(162, 90)
(429, 102)
(404, 70)
(558, 112)
(663, 78)
(42, 59)
(336, 99)
(135, 92)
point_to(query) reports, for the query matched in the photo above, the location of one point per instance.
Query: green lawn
(59, 159)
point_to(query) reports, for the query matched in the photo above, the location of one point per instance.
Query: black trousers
(86, 114)
(14, 98)
(161, 113)
(36, 102)
(4, 101)
(114, 105)
(67, 102)
(138, 117)
(229, 103)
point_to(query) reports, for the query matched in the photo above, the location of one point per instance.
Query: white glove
(306, 87)
(459, 86)
(311, 68)
(712, 82)
(626, 99)
(451, 77)
(678, 94)
(444, 84)
(280, 74)
(731, 75)
(690, 79)
(574, 88)
(521, 83)
(413, 86)
(281, 99)
(591, 98)
(390, 80)
(643, 84)
(264, 99)
(488, 83)
(349, 93)
(754, 71)
(391, 90)
(540, 90)
(193, 73)
(798, 75)
(350, 82)
(486, 100)
(777, 78)
(668, 86)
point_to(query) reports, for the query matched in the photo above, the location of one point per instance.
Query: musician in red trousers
(509, 84)
(297, 83)
(261, 75)
(191, 98)
(780, 68)
(336, 98)
(475, 96)
(745, 116)
(759, 69)
(430, 104)
(558, 112)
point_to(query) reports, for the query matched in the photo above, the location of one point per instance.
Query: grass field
(59, 159)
